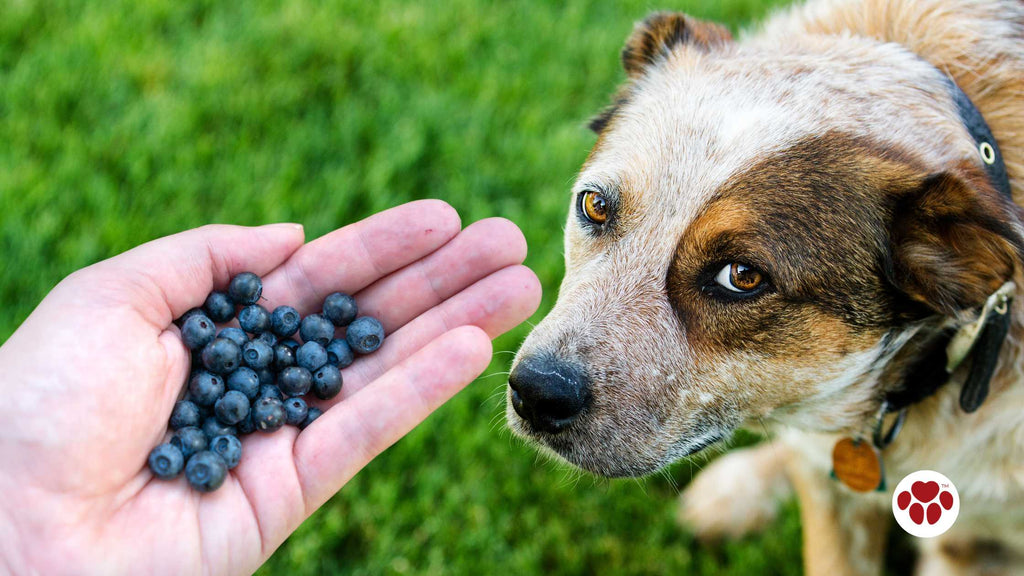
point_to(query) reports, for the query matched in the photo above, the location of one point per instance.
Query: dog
(792, 230)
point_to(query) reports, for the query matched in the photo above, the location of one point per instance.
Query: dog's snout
(548, 392)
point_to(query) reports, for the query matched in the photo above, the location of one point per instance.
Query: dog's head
(756, 234)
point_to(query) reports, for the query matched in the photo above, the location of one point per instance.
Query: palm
(84, 422)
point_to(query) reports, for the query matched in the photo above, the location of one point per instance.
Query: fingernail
(288, 225)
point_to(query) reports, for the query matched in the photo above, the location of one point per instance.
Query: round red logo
(925, 503)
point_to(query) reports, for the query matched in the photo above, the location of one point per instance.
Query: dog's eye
(739, 278)
(594, 207)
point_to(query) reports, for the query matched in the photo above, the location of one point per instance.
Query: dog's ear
(955, 241)
(659, 33)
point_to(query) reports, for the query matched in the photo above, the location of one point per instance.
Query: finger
(481, 249)
(166, 277)
(353, 257)
(495, 304)
(346, 437)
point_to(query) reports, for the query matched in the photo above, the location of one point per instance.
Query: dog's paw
(736, 494)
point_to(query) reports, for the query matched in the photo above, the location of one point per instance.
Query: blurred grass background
(122, 121)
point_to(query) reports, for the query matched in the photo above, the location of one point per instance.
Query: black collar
(928, 372)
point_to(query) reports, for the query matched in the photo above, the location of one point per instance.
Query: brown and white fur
(825, 150)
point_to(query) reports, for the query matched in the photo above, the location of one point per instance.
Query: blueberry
(222, 356)
(205, 388)
(213, 427)
(340, 308)
(316, 328)
(254, 319)
(284, 356)
(246, 426)
(190, 313)
(284, 321)
(268, 414)
(257, 355)
(313, 414)
(246, 381)
(219, 307)
(327, 382)
(267, 376)
(206, 471)
(295, 410)
(339, 353)
(189, 440)
(198, 331)
(267, 338)
(270, 391)
(232, 407)
(294, 381)
(245, 289)
(185, 413)
(236, 335)
(365, 334)
(228, 448)
(290, 343)
(311, 356)
(166, 461)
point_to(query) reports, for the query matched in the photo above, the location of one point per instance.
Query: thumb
(170, 275)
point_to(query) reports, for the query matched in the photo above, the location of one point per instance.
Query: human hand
(90, 378)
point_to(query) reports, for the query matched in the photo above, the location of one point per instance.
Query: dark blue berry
(290, 343)
(184, 413)
(236, 335)
(204, 388)
(245, 289)
(232, 407)
(327, 382)
(294, 381)
(340, 353)
(365, 334)
(190, 313)
(295, 410)
(206, 471)
(246, 381)
(311, 356)
(267, 338)
(189, 440)
(313, 414)
(284, 356)
(268, 414)
(246, 426)
(340, 308)
(284, 321)
(219, 307)
(270, 391)
(222, 356)
(257, 355)
(316, 328)
(228, 448)
(254, 319)
(198, 331)
(166, 461)
(213, 427)
(267, 376)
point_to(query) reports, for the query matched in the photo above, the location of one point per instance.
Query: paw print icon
(925, 503)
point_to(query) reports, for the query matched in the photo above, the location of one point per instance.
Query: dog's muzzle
(548, 393)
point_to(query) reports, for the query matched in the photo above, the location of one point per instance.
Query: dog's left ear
(659, 33)
(954, 242)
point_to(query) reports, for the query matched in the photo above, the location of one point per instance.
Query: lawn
(122, 121)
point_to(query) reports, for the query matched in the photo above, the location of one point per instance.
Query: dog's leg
(736, 494)
(951, 556)
(844, 533)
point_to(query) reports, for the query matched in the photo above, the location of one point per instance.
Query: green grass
(122, 121)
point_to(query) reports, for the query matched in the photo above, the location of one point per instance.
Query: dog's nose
(548, 392)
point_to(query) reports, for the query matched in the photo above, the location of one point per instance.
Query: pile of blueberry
(254, 377)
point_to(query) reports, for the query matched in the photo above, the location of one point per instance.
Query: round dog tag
(856, 464)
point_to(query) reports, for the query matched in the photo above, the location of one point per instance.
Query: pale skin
(91, 376)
